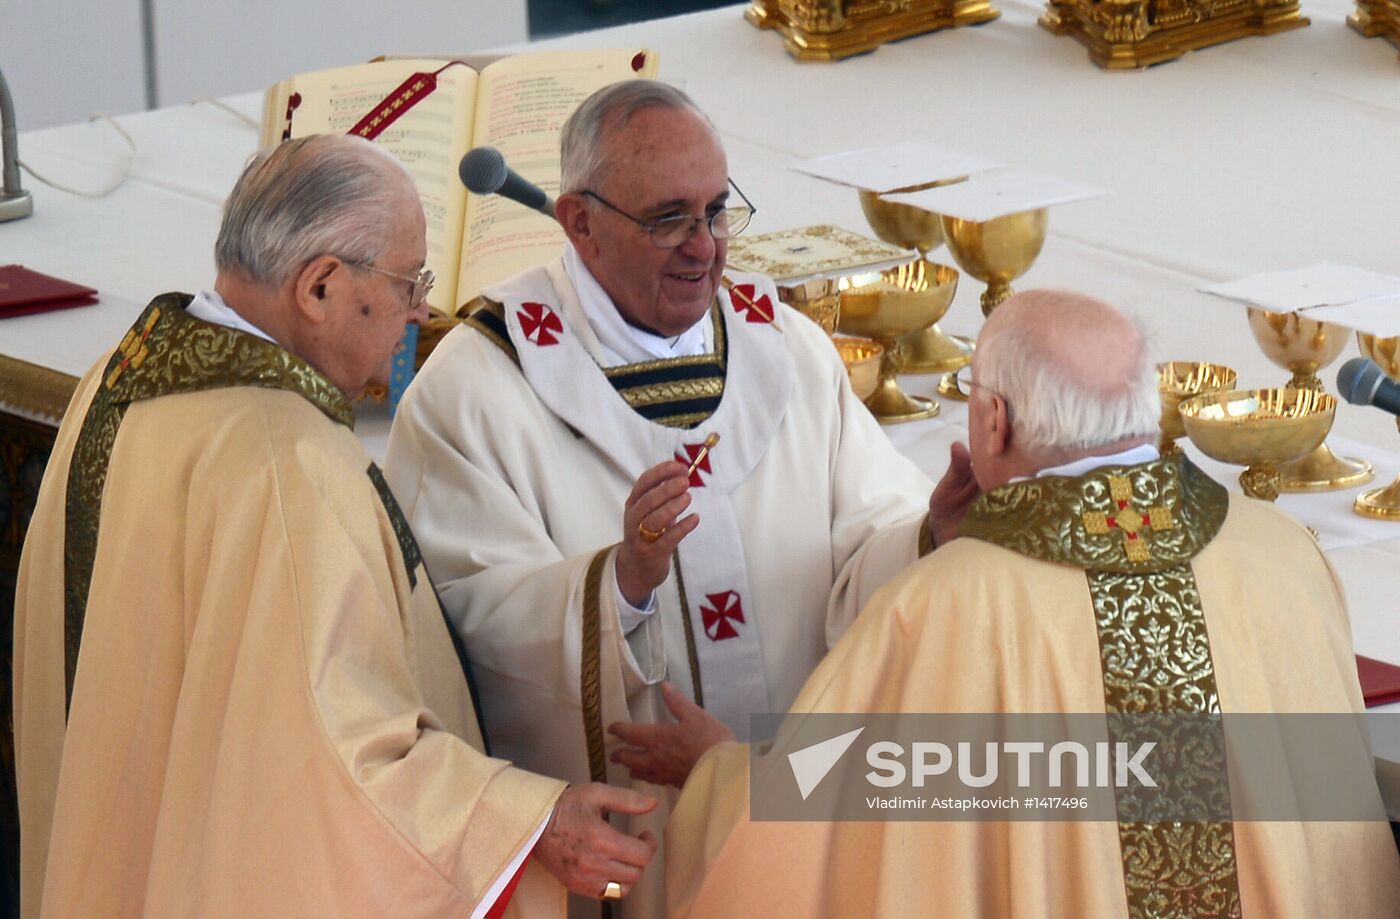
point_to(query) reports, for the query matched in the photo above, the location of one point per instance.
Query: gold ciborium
(889, 305)
(996, 251)
(1178, 380)
(1259, 429)
(1383, 503)
(862, 359)
(1304, 346)
(926, 350)
(818, 300)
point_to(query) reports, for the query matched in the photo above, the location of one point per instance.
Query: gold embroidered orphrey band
(1134, 531)
(166, 351)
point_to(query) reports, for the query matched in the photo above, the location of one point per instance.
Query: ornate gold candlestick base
(828, 30)
(1377, 17)
(1127, 34)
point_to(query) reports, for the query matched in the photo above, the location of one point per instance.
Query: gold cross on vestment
(1129, 520)
(133, 349)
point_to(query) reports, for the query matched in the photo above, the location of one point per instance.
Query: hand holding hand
(664, 754)
(582, 850)
(650, 530)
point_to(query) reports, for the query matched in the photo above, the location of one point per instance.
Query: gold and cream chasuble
(514, 452)
(236, 694)
(1129, 589)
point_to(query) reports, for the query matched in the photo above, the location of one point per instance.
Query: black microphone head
(483, 170)
(1358, 379)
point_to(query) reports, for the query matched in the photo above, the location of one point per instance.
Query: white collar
(622, 343)
(210, 307)
(1143, 453)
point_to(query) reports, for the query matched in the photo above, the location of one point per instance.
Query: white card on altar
(1323, 284)
(902, 165)
(990, 196)
(1379, 316)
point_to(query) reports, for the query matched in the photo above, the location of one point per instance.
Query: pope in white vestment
(514, 451)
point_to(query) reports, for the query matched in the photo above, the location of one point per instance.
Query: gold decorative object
(828, 30)
(927, 350)
(1304, 346)
(1377, 17)
(1125, 34)
(1258, 429)
(862, 359)
(887, 306)
(1179, 380)
(807, 264)
(1382, 503)
(996, 251)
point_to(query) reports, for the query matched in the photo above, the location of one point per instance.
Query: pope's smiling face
(664, 162)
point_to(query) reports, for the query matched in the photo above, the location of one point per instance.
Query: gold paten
(926, 350)
(1178, 380)
(1258, 429)
(996, 251)
(1304, 346)
(862, 359)
(884, 308)
(1126, 34)
(1377, 17)
(828, 30)
(1381, 503)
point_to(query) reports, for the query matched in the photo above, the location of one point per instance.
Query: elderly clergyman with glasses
(235, 690)
(557, 458)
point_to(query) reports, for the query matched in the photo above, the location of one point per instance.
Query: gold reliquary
(1124, 34)
(828, 30)
(1377, 17)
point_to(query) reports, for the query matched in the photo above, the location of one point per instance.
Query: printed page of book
(429, 140)
(522, 104)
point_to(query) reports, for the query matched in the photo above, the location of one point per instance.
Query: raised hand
(952, 496)
(650, 530)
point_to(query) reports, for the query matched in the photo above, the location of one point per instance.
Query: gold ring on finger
(648, 533)
(612, 892)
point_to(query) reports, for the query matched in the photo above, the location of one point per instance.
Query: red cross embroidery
(725, 609)
(693, 450)
(1129, 520)
(742, 298)
(540, 324)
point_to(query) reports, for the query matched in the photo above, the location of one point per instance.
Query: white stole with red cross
(556, 346)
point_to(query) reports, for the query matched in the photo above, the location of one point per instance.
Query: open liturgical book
(516, 104)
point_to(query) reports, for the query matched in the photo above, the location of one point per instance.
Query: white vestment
(513, 495)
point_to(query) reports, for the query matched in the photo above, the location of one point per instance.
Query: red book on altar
(23, 292)
(1380, 682)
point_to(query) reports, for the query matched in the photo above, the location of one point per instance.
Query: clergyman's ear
(315, 284)
(574, 215)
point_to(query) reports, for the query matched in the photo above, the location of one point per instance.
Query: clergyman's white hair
(1050, 410)
(320, 195)
(583, 164)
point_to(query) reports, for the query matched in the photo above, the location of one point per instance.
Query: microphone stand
(15, 202)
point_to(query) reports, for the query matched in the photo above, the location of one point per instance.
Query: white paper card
(1323, 284)
(990, 196)
(882, 169)
(1378, 316)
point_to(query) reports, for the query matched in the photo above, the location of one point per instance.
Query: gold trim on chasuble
(166, 351)
(1134, 531)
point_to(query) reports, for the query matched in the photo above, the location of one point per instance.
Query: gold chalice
(996, 251)
(1178, 380)
(1304, 346)
(889, 305)
(1259, 429)
(862, 359)
(1383, 503)
(926, 350)
(818, 300)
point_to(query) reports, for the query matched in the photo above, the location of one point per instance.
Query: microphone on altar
(484, 171)
(1361, 381)
(14, 201)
